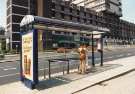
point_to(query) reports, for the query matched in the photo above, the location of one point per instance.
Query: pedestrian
(82, 65)
(86, 60)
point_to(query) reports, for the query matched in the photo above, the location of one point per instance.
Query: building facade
(109, 6)
(79, 11)
(16, 10)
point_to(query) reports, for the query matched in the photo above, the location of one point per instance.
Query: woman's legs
(83, 66)
(80, 66)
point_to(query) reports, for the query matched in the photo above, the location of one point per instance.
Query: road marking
(9, 75)
(110, 57)
(1, 67)
(97, 58)
(129, 54)
(5, 67)
(119, 55)
(9, 69)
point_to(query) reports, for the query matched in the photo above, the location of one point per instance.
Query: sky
(128, 8)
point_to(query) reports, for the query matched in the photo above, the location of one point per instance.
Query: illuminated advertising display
(27, 56)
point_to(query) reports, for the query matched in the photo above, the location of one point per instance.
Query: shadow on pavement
(49, 83)
(65, 79)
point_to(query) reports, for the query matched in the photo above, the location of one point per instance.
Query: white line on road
(119, 55)
(9, 69)
(6, 67)
(129, 54)
(97, 58)
(110, 57)
(9, 75)
(1, 67)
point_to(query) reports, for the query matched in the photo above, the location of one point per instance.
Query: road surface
(9, 71)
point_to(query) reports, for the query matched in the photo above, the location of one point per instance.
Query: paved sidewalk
(69, 87)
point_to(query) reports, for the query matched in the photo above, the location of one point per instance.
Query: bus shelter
(33, 32)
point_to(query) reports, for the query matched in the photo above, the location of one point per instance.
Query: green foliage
(2, 55)
(13, 52)
(3, 46)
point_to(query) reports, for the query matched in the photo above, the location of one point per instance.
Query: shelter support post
(101, 51)
(93, 61)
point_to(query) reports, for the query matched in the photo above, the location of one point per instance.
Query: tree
(2, 31)
(2, 39)
(3, 46)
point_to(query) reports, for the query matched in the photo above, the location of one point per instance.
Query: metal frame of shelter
(33, 23)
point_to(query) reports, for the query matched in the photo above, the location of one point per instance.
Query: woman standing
(82, 53)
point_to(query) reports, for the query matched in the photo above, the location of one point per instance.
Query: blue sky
(3, 12)
(128, 7)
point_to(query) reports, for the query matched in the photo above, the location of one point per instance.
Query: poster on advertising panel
(99, 45)
(27, 56)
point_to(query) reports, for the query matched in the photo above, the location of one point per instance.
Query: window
(90, 15)
(90, 21)
(70, 10)
(62, 15)
(84, 13)
(53, 13)
(78, 19)
(85, 20)
(15, 27)
(62, 8)
(78, 12)
(53, 5)
(20, 2)
(16, 37)
(17, 19)
(19, 10)
(70, 17)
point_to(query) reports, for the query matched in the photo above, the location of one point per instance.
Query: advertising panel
(99, 45)
(27, 56)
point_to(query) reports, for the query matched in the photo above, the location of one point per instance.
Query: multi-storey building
(16, 10)
(69, 10)
(110, 6)
(111, 11)
(127, 31)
